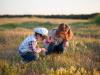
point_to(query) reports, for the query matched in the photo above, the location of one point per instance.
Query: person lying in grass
(29, 49)
(58, 39)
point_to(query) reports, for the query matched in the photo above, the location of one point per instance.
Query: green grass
(29, 25)
(97, 20)
(82, 57)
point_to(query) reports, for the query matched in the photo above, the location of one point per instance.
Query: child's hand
(38, 50)
(43, 49)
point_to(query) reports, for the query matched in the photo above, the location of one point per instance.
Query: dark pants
(52, 48)
(29, 56)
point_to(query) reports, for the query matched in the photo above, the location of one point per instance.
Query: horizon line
(54, 14)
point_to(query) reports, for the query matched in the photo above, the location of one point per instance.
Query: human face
(39, 38)
(63, 27)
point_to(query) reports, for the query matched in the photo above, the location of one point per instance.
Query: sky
(48, 7)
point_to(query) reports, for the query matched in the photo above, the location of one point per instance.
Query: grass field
(35, 19)
(82, 57)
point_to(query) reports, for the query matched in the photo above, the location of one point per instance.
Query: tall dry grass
(42, 20)
(82, 57)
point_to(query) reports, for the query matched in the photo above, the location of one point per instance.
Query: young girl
(29, 49)
(58, 39)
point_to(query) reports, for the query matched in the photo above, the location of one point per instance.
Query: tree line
(72, 16)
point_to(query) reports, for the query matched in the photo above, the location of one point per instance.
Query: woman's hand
(50, 39)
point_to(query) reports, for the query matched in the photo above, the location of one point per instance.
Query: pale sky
(49, 6)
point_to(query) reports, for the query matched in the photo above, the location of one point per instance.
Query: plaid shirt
(29, 44)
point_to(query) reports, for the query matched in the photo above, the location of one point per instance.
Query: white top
(25, 45)
(57, 40)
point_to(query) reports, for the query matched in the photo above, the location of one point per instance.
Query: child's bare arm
(35, 47)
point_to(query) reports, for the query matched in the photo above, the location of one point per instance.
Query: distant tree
(97, 19)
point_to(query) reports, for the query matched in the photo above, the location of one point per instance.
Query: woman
(58, 39)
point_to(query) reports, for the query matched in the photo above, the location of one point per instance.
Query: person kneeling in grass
(29, 49)
(58, 39)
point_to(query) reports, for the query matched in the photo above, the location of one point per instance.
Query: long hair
(64, 32)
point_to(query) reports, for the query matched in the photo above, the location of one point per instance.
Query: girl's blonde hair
(65, 34)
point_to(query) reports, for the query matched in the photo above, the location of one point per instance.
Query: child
(29, 49)
(58, 39)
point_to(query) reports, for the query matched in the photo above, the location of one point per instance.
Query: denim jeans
(52, 48)
(29, 56)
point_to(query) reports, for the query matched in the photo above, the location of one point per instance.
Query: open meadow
(36, 19)
(82, 57)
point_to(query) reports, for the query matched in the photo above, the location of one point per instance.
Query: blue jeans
(52, 48)
(29, 56)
